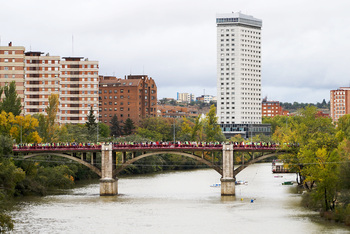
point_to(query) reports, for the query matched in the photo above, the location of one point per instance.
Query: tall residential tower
(238, 71)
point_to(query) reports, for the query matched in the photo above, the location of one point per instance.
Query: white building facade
(238, 69)
(186, 97)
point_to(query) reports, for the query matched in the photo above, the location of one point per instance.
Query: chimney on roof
(10, 44)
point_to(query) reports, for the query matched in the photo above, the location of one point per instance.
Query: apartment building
(271, 108)
(206, 98)
(79, 89)
(340, 103)
(42, 78)
(238, 68)
(134, 97)
(185, 97)
(12, 67)
(239, 75)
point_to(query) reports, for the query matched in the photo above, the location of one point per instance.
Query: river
(176, 202)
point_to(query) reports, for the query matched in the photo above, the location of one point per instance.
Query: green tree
(197, 130)
(184, 132)
(343, 128)
(128, 126)
(312, 153)
(156, 129)
(212, 129)
(51, 111)
(115, 128)
(103, 130)
(91, 125)
(10, 102)
(75, 133)
(10, 176)
(91, 120)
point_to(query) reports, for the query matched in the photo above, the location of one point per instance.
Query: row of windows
(35, 61)
(72, 66)
(222, 45)
(227, 30)
(6, 52)
(222, 40)
(250, 31)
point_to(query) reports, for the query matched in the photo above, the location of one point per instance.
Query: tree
(128, 126)
(312, 152)
(11, 102)
(197, 130)
(343, 128)
(75, 133)
(185, 130)
(51, 111)
(212, 129)
(103, 130)
(91, 124)
(156, 129)
(115, 128)
(10, 176)
(20, 128)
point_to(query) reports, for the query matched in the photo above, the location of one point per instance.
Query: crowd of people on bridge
(157, 144)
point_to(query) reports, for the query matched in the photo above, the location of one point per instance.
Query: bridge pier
(228, 179)
(108, 184)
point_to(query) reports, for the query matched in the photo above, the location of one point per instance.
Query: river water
(176, 202)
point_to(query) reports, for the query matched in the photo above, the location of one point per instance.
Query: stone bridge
(103, 159)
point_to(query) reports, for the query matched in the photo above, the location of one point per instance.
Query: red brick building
(134, 97)
(340, 102)
(272, 108)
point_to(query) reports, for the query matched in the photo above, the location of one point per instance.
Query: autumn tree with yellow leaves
(48, 127)
(20, 128)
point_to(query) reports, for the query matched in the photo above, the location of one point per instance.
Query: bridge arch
(202, 160)
(241, 167)
(92, 167)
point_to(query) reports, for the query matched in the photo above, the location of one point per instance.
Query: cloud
(304, 43)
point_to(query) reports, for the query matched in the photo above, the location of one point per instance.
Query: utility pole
(97, 129)
(174, 130)
(21, 132)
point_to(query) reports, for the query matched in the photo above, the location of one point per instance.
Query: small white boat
(240, 182)
(215, 185)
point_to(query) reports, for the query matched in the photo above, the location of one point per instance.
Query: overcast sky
(305, 44)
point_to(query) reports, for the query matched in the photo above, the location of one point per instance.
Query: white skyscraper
(238, 70)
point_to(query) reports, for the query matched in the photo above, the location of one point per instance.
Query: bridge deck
(153, 148)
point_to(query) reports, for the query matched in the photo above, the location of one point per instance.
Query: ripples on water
(176, 202)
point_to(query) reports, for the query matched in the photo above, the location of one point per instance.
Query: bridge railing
(143, 146)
